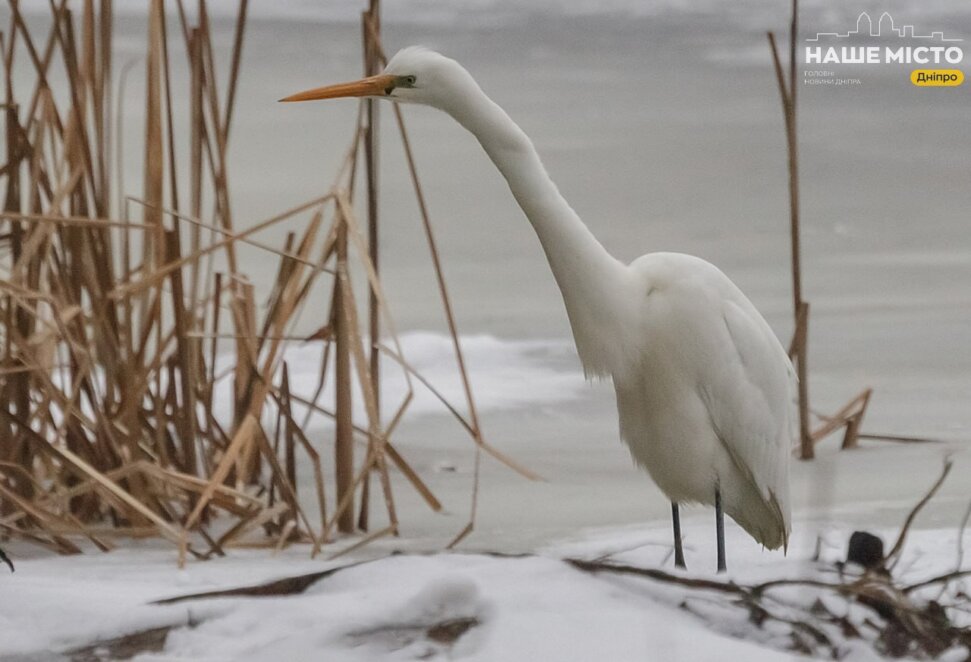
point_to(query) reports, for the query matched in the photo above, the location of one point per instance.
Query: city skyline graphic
(884, 27)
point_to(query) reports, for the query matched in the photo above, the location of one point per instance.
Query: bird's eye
(409, 80)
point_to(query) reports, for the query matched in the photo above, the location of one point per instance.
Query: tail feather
(763, 519)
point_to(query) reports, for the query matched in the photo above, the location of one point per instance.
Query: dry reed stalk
(343, 433)
(851, 415)
(370, 146)
(799, 347)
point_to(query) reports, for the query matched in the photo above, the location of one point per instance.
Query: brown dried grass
(111, 315)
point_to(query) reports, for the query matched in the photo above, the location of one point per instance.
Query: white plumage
(709, 400)
(704, 389)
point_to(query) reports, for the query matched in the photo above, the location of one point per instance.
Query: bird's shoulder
(675, 287)
(666, 272)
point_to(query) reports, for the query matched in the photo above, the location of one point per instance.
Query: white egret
(704, 389)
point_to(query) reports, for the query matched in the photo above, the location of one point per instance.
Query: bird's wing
(749, 391)
(704, 337)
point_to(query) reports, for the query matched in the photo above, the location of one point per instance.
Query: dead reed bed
(115, 322)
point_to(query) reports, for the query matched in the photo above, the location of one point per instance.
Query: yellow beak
(374, 86)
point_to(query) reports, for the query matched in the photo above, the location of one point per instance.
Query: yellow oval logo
(937, 77)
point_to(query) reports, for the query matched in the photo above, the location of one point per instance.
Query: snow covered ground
(533, 607)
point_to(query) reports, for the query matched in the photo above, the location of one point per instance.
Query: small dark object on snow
(448, 632)
(866, 550)
(5, 559)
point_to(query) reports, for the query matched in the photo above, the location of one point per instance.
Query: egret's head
(414, 75)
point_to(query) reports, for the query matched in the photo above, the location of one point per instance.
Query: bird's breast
(666, 426)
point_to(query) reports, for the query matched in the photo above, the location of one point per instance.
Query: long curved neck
(590, 279)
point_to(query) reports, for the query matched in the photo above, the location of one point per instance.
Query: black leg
(678, 549)
(3, 557)
(720, 531)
